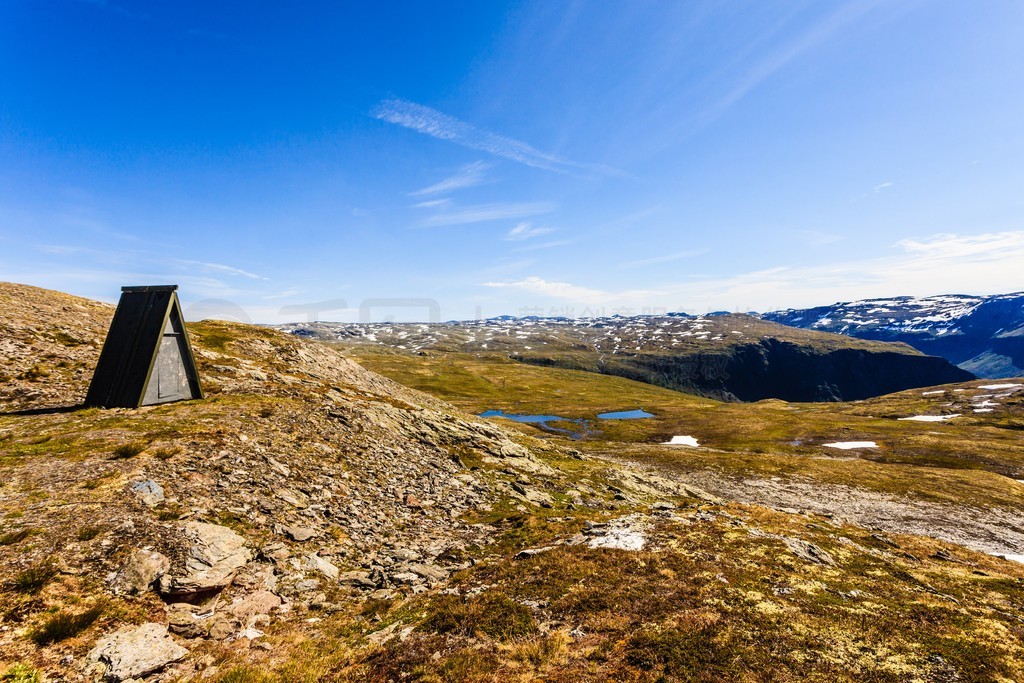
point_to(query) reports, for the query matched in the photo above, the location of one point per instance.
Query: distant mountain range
(981, 334)
(730, 356)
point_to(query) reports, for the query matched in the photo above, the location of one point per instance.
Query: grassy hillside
(733, 357)
(388, 536)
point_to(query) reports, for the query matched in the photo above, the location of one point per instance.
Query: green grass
(128, 450)
(21, 673)
(34, 579)
(15, 537)
(64, 625)
(971, 461)
(492, 613)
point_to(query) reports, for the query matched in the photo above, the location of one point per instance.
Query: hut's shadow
(44, 411)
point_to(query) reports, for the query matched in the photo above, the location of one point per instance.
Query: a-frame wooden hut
(147, 358)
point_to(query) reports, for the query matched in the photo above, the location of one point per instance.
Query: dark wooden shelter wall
(127, 356)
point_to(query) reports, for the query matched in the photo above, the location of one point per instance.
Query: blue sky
(343, 159)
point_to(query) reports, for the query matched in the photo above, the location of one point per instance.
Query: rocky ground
(302, 483)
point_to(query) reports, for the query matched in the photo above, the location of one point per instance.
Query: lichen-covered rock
(149, 492)
(215, 555)
(140, 571)
(136, 651)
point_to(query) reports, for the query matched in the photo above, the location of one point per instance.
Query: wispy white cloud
(481, 213)
(819, 34)
(221, 268)
(666, 258)
(469, 175)
(817, 238)
(525, 231)
(986, 263)
(537, 246)
(882, 186)
(571, 292)
(290, 292)
(965, 248)
(432, 203)
(427, 121)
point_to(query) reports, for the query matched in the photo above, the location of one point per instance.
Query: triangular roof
(128, 362)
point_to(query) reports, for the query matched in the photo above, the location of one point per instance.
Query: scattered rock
(299, 533)
(358, 579)
(149, 492)
(533, 552)
(216, 553)
(184, 620)
(260, 602)
(808, 551)
(140, 571)
(222, 627)
(319, 564)
(431, 572)
(136, 651)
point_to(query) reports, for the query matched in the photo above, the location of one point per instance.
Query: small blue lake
(543, 420)
(521, 418)
(625, 415)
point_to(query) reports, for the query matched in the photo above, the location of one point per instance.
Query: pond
(625, 415)
(521, 418)
(584, 425)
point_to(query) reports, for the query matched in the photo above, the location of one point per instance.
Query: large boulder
(136, 651)
(215, 555)
(140, 571)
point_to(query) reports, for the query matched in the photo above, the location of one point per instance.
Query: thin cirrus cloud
(537, 246)
(666, 258)
(525, 231)
(427, 121)
(221, 268)
(482, 213)
(818, 35)
(571, 292)
(469, 175)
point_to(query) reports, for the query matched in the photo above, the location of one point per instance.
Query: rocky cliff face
(771, 368)
(981, 334)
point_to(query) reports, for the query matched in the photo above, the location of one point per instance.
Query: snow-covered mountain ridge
(982, 334)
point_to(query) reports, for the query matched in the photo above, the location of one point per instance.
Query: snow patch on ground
(991, 387)
(930, 418)
(931, 393)
(681, 441)
(1012, 558)
(625, 533)
(849, 445)
(983, 410)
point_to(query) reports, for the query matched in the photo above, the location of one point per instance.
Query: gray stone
(429, 571)
(317, 563)
(533, 552)
(222, 627)
(216, 553)
(140, 571)
(260, 602)
(149, 492)
(136, 651)
(809, 551)
(299, 533)
(182, 619)
(357, 578)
